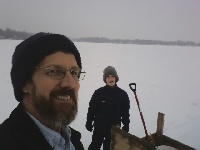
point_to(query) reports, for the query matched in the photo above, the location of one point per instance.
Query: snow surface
(167, 78)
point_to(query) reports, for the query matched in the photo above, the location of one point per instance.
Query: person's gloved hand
(126, 127)
(89, 126)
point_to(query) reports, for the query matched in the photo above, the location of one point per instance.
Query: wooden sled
(121, 140)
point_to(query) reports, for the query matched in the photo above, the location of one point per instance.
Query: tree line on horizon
(22, 35)
(136, 41)
(14, 35)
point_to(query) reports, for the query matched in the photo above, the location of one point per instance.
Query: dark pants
(100, 137)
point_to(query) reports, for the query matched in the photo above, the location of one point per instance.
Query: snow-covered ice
(167, 78)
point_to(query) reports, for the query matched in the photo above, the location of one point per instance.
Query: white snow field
(167, 78)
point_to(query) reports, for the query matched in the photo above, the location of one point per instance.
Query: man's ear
(26, 88)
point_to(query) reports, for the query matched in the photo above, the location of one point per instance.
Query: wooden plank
(176, 144)
(160, 128)
(121, 140)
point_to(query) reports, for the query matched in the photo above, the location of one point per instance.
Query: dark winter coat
(19, 132)
(107, 107)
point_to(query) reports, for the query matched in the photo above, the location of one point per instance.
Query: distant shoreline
(22, 35)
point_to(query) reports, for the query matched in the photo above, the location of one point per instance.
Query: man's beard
(56, 114)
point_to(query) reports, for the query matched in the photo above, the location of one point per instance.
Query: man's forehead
(60, 58)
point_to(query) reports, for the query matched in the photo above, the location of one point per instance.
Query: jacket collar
(26, 131)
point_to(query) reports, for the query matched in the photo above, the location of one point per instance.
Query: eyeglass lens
(59, 72)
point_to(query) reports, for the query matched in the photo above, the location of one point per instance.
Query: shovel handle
(133, 86)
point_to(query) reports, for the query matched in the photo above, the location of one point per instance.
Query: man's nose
(68, 81)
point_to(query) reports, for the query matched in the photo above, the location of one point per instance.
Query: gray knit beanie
(31, 51)
(110, 71)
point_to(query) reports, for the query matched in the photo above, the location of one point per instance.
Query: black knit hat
(29, 53)
(110, 71)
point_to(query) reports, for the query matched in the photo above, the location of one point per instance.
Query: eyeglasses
(58, 72)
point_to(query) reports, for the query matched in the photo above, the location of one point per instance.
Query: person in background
(108, 106)
(45, 74)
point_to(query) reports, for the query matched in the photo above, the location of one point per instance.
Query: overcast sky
(167, 20)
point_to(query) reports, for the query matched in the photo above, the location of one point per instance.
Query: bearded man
(45, 74)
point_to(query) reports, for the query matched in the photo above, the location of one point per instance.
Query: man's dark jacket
(19, 132)
(108, 106)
